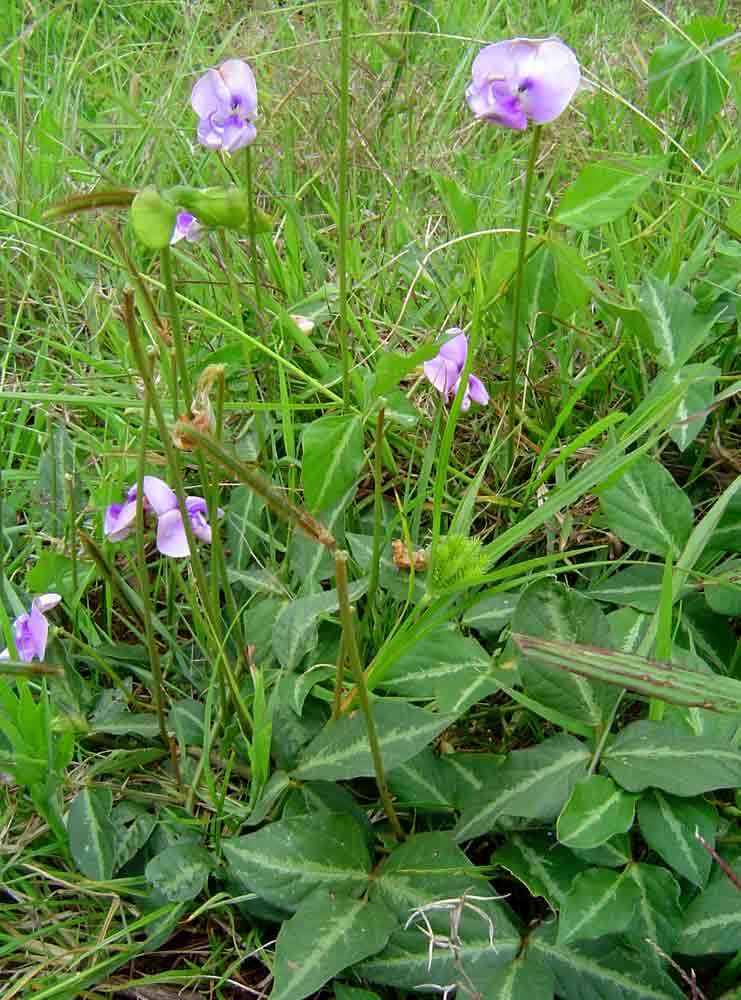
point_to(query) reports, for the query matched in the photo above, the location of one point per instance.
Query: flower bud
(153, 218)
(218, 207)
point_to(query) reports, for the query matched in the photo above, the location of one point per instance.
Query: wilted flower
(118, 522)
(187, 227)
(521, 79)
(31, 629)
(225, 100)
(444, 371)
(171, 537)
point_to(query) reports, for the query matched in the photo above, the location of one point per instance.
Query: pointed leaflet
(180, 871)
(333, 458)
(426, 781)
(601, 970)
(443, 653)
(92, 836)
(658, 915)
(656, 755)
(646, 508)
(329, 931)
(595, 812)
(600, 902)
(677, 329)
(295, 631)
(668, 826)
(284, 861)
(522, 979)
(712, 921)
(552, 611)
(341, 750)
(604, 191)
(532, 783)
(541, 864)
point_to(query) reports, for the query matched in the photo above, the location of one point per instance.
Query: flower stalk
(342, 196)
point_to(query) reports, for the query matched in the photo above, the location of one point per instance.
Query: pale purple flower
(187, 227)
(31, 629)
(225, 100)
(118, 522)
(171, 537)
(444, 371)
(522, 79)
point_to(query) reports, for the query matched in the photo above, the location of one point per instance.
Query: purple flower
(521, 79)
(171, 537)
(31, 629)
(444, 371)
(119, 518)
(187, 227)
(225, 100)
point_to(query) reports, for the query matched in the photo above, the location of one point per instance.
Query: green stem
(339, 678)
(351, 645)
(377, 512)
(604, 735)
(252, 226)
(519, 276)
(175, 325)
(342, 198)
(141, 565)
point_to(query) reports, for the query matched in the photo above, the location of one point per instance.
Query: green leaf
(423, 782)
(442, 653)
(286, 860)
(654, 754)
(695, 405)
(712, 921)
(186, 718)
(647, 509)
(616, 853)
(600, 902)
(549, 609)
(406, 961)
(491, 614)
(91, 832)
(658, 915)
(635, 586)
(180, 872)
(541, 864)
(601, 970)
(341, 750)
(681, 67)
(429, 867)
(295, 633)
(350, 993)
(596, 811)
(668, 826)
(333, 458)
(532, 783)
(604, 191)
(392, 368)
(723, 589)
(328, 932)
(522, 979)
(132, 831)
(677, 329)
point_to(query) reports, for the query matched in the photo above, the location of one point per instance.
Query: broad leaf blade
(712, 921)
(604, 191)
(333, 458)
(180, 871)
(668, 826)
(601, 901)
(596, 811)
(92, 836)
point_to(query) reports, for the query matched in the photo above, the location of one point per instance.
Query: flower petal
(187, 227)
(36, 633)
(456, 348)
(442, 373)
(240, 82)
(210, 95)
(45, 602)
(201, 528)
(171, 537)
(236, 134)
(119, 520)
(208, 134)
(550, 84)
(161, 498)
(477, 390)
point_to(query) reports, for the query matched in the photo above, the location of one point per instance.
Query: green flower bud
(218, 207)
(153, 218)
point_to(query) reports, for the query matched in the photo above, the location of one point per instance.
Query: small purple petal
(225, 100)
(45, 602)
(161, 498)
(442, 373)
(456, 348)
(477, 391)
(119, 520)
(207, 134)
(551, 82)
(171, 537)
(236, 134)
(187, 227)
(240, 82)
(36, 632)
(210, 95)
(201, 527)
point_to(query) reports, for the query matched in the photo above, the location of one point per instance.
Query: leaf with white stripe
(550, 610)
(533, 783)
(522, 979)
(600, 902)
(596, 811)
(647, 509)
(441, 654)
(425, 782)
(656, 755)
(604, 191)
(658, 915)
(92, 835)
(668, 826)
(341, 750)
(295, 633)
(285, 861)
(180, 871)
(601, 970)
(541, 864)
(712, 921)
(329, 931)
(333, 459)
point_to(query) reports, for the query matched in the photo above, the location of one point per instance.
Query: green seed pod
(153, 218)
(218, 207)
